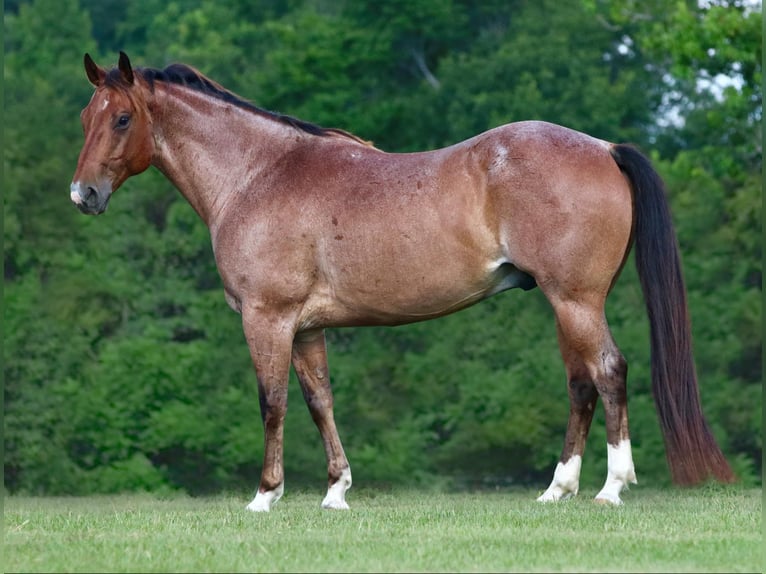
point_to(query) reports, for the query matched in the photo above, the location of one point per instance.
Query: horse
(316, 228)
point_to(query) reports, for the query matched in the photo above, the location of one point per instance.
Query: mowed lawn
(709, 529)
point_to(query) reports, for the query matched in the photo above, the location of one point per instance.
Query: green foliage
(124, 368)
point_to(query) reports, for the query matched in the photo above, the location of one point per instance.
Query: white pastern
(620, 472)
(566, 481)
(336, 493)
(263, 501)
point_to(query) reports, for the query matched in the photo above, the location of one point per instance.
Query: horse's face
(118, 135)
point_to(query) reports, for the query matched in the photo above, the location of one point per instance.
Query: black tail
(692, 452)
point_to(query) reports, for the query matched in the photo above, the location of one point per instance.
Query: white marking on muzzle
(74, 192)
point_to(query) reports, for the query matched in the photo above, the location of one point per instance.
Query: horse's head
(118, 135)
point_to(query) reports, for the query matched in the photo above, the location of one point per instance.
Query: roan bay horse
(314, 228)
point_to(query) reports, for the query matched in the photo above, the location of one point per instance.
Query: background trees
(125, 369)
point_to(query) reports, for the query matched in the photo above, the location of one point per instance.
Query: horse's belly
(396, 298)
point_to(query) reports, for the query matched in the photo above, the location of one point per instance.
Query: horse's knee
(319, 403)
(273, 404)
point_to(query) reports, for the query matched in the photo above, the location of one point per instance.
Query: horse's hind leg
(582, 403)
(310, 363)
(591, 355)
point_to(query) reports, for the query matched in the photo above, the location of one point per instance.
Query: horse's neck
(211, 150)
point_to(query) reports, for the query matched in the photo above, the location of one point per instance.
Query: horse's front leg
(310, 362)
(270, 340)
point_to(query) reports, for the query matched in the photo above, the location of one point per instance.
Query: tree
(126, 370)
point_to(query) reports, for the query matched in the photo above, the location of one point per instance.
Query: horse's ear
(95, 73)
(125, 69)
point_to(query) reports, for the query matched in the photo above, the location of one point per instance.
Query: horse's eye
(123, 121)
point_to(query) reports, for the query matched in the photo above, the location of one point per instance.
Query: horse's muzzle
(89, 199)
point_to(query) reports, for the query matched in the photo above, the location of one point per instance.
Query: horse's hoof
(335, 504)
(257, 506)
(556, 494)
(608, 500)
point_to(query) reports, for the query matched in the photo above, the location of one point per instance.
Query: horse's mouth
(96, 209)
(90, 203)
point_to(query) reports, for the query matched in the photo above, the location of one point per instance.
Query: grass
(711, 529)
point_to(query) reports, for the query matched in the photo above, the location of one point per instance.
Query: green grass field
(711, 529)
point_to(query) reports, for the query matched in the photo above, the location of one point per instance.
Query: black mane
(183, 75)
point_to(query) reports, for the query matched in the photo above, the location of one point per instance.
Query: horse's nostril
(91, 193)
